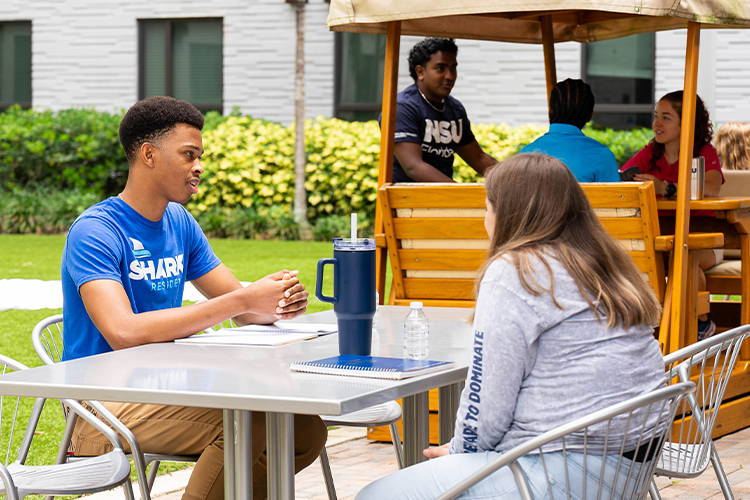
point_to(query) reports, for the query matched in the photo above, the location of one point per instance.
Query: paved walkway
(356, 461)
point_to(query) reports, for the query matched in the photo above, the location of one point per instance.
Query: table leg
(416, 427)
(448, 399)
(280, 450)
(229, 454)
(243, 452)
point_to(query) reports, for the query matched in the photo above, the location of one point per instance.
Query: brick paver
(356, 463)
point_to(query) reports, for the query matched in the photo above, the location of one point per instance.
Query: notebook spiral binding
(336, 367)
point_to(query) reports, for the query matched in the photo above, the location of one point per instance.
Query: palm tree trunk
(300, 157)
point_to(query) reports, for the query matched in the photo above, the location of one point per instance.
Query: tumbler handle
(319, 280)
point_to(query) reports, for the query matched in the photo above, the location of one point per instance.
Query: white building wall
(85, 52)
(501, 82)
(723, 71)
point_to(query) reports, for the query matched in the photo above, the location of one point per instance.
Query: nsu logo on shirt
(441, 132)
(164, 268)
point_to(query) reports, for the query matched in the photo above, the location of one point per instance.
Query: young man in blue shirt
(124, 268)
(430, 124)
(571, 106)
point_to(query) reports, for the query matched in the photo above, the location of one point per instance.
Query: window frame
(338, 106)
(623, 109)
(169, 58)
(25, 104)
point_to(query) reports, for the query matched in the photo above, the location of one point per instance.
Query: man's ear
(147, 153)
(419, 69)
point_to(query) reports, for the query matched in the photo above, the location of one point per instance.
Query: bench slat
(431, 196)
(442, 259)
(438, 228)
(611, 195)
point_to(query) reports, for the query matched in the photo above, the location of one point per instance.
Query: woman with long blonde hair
(733, 145)
(562, 328)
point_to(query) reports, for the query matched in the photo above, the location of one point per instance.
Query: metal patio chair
(47, 338)
(648, 414)
(90, 475)
(383, 414)
(689, 447)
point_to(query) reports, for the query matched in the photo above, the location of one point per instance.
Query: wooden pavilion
(547, 22)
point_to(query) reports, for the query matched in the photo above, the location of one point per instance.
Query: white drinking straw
(354, 227)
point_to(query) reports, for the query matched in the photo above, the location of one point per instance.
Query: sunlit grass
(38, 257)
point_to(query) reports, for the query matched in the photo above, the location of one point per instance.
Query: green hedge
(248, 186)
(73, 148)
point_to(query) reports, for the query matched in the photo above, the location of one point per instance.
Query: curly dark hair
(571, 102)
(704, 130)
(151, 119)
(421, 53)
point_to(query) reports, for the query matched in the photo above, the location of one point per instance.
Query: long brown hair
(541, 211)
(733, 145)
(704, 130)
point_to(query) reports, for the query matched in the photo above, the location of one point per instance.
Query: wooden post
(548, 44)
(387, 131)
(682, 222)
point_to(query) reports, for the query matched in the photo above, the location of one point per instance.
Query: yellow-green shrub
(250, 163)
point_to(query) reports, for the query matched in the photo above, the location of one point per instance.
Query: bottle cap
(416, 305)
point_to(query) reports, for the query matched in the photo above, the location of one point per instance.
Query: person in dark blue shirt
(430, 124)
(571, 106)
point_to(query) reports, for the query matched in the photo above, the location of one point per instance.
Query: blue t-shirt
(588, 159)
(152, 261)
(439, 133)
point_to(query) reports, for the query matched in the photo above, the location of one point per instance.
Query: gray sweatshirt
(537, 366)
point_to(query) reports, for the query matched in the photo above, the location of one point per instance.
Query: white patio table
(241, 379)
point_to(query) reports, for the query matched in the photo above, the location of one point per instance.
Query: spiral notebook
(371, 366)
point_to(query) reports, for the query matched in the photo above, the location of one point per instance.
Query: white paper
(246, 338)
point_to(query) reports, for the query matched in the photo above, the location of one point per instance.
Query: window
(621, 74)
(358, 89)
(182, 58)
(15, 64)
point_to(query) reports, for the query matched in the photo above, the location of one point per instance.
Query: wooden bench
(437, 241)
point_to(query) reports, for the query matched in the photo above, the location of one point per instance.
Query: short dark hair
(571, 102)
(421, 53)
(153, 118)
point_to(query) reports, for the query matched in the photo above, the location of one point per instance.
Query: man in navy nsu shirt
(430, 124)
(124, 268)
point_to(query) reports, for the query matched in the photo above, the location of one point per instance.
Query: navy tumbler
(353, 292)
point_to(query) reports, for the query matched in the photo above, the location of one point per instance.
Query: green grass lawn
(38, 257)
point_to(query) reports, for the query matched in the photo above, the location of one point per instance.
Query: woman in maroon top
(658, 162)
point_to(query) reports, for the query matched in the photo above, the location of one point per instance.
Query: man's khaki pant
(174, 430)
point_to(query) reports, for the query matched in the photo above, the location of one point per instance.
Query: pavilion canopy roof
(518, 21)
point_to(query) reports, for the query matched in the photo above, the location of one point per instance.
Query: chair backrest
(627, 210)
(736, 183)
(709, 364)
(15, 411)
(436, 241)
(18, 480)
(628, 467)
(436, 238)
(47, 339)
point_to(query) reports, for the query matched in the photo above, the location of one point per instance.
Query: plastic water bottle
(416, 333)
